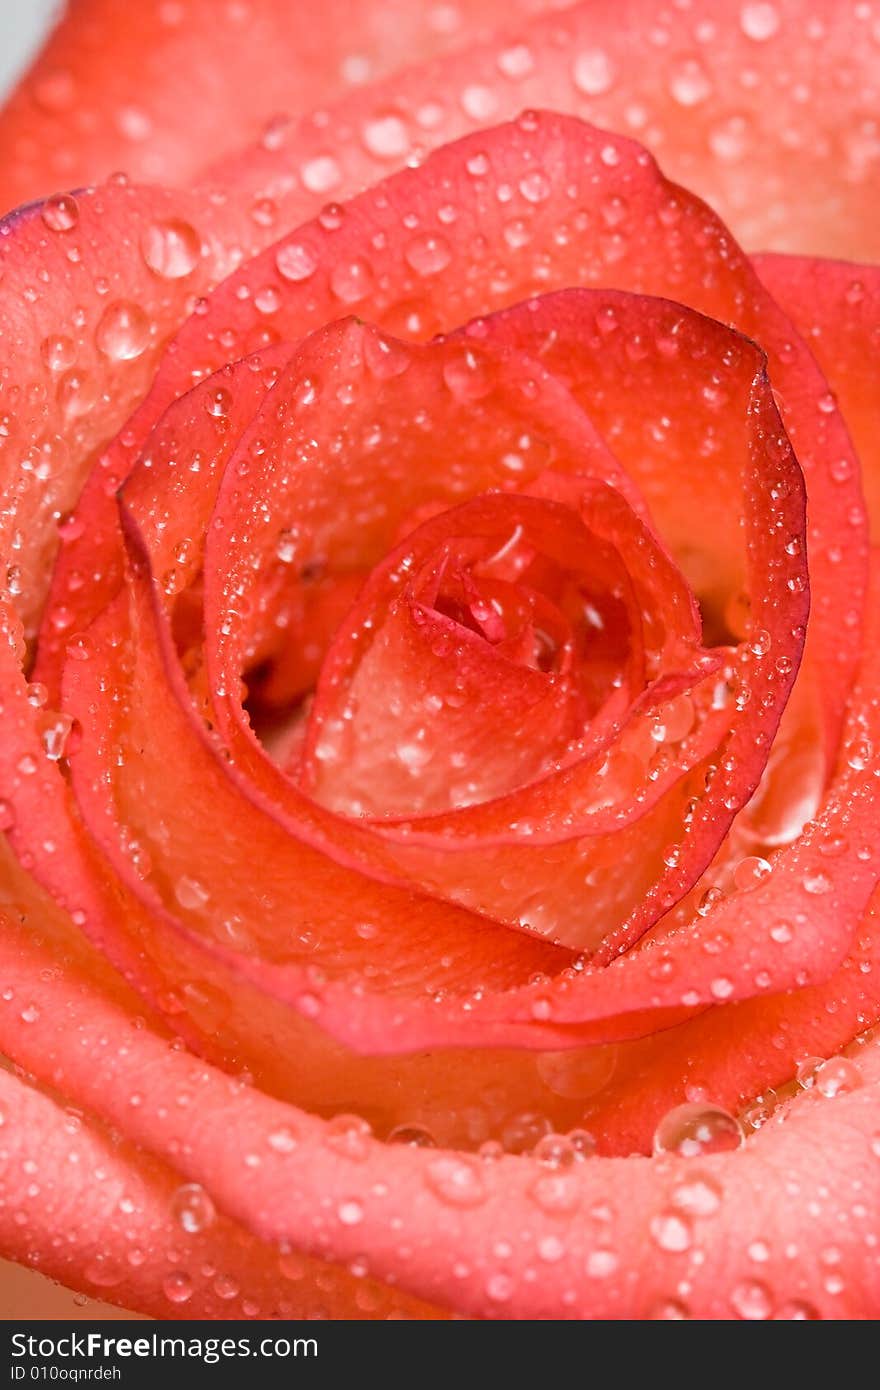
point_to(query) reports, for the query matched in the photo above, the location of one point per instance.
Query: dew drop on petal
(321, 174)
(669, 1310)
(60, 213)
(837, 1077)
(192, 1208)
(428, 254)
(579, 1072)
(103, 1271)
(751, 1301)
(671, 1231)
(282, 1140)
(413, 1136)
(593, 72)
(349, 1135)
(218, 402)
(350, 1213)
(759, 20)
(123, 331)
(295, 262)
(690, 83)
(697, 1194)
(171, 248)
(797, 1310)
(386, 136)
(694, 1130)
(58, 352)
(177, 1287)
(351, 281)
(456, 1181)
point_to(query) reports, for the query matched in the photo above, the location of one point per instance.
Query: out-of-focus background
(24, 1294)
(22, 26)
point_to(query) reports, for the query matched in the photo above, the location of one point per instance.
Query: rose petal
(108, 89)
(451, 1211)
(135, 1234)
(766, 115)
(836, 306)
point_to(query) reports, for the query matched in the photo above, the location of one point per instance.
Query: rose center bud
(501, 641)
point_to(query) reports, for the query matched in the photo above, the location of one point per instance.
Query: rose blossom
(440, 681)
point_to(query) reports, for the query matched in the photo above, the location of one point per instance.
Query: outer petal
(116, 1224)
(765, 112)
(836, 306)
(108, 89)
(510, 1238)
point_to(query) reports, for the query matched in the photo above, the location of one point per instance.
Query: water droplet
(295, 262)
(282, 1140)
(593, 72)
(797, 1311)
(751, 871)
(555, 1193)
(837, 1077)
(516, 62)
(321, 174)
(428, 254)
(697, 1195)
(414, 1136)
(385, 357)
(192, 1208)
(467, 377)
(171, 249)
(177, 1287)
(535, 186)
(671, 1232)
(859, 754)
(104, 1271)
(190, 894)
(349, 1135)
(58, 352)
(386, 136)
(350, 1213)
(456, 1181)
(751, 1301)
(60, 213)
(690, 83)
(218, 402)
(692, 1131)
(669, 1310)
(817, 883)
(759, 21)
(578, 1073)
(123, 331)
(350, 281)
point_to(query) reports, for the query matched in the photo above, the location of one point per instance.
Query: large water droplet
(295, 262)
(593, 72)
(692, 1131)
(456, 1181)
(751, 1301)
(759, 20)
(837, 1077)
(123, 331)
(671, 1232)
(192, 1208)
(428, 254)
(60, 213)
(171, 249)
(351, 281)
(386, 136)
(177, 1287)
